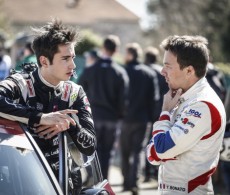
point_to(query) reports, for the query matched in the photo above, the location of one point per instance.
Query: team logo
(187, 122)
(66, 93)
(181, 128)
(30, 88)
(194, 113)
(73, 97)
(39, 106)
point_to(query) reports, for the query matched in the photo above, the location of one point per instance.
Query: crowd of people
(129, 97)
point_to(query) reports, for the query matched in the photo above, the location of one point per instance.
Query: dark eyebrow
(65, 57)
(166, 63)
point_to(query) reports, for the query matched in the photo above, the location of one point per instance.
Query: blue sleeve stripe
(163, 142)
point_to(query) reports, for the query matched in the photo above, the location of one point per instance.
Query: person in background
(186, 140)
(106, 84)
(91, 58)
(151, 56)
(151, 60)
(28, 56)
(5, 60)
(216, 80)
(142, 98)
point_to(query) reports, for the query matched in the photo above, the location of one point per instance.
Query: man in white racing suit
(188, 136)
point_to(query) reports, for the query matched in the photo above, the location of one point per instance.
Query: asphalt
(115, 180)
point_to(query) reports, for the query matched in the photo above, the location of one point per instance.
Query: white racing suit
(187, 141)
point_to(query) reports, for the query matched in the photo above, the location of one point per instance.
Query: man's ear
(44, 61)
(190, 70)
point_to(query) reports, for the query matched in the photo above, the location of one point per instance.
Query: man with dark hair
(106, 85)
(143, 94)
(188, 136)
(47, 101)
(151, 59)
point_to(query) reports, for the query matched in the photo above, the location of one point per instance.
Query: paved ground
(115, 179)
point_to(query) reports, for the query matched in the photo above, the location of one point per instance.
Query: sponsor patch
(55, 141)
(187, 122)
(173, 188)
(85, 101)
(178, 116)
(39, 106)
(181, 128)
(66, 93)
(30, 88)
(73, 97)
(194, 113)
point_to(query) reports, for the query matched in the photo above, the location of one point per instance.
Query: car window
(21, 172)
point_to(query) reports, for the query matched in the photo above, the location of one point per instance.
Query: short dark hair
(111, 43)
(151, 55)
(50, 36)
(135, 50)
(189, 50)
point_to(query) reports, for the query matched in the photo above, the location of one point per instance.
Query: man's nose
(73, 65)
(163, 73)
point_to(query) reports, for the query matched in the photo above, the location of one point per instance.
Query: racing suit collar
(193, 90)
(46, 85)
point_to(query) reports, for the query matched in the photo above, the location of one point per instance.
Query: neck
(190, 84)
(47, 79)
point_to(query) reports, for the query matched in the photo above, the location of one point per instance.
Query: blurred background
(147, 22)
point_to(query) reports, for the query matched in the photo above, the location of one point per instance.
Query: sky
(136, 6)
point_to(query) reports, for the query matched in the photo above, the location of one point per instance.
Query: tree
(217, 24)
(209, 18)
(89, 41)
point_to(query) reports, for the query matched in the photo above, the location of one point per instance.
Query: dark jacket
(143, 93)
(163, 87)
(25, 98)
(106, 85)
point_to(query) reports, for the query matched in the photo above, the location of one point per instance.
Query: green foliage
(209, 18)
(225, 67)
(88, 41)
(217, 19)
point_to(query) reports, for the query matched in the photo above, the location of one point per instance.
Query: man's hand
(55, 122)
(171, 99)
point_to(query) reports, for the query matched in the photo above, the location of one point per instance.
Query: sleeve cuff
(165, 115)
(34, 118)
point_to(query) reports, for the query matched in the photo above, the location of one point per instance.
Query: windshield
(21, 172)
